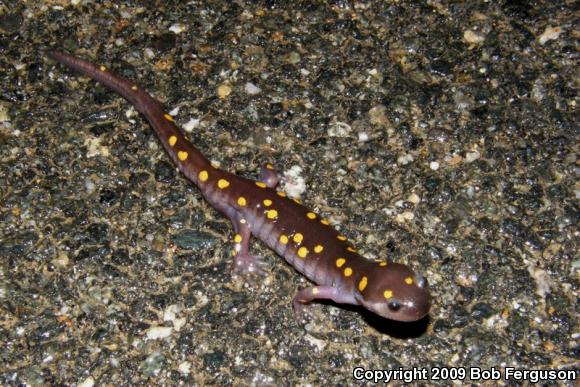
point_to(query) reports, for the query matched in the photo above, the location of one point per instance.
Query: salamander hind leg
(307, 295)
(244, 262)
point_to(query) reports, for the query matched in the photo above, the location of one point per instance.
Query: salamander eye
(422, 282)
(394, 305)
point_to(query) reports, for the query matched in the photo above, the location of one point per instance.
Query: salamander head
(394, 291)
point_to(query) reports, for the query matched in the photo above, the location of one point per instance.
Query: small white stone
(550, 33)
(191, 124)
(472, 156)
(171, 312)
(363, 136)
(155, 333)
(405, 159)
(294, 184)
(184, 367)
(473, 37)
(251, 89)
(88, 382)
(339, 129)
(177, 28)
(414, 198)
(405, 216)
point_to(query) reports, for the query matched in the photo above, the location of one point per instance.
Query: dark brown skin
(256, 208)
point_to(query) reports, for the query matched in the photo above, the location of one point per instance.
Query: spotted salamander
(301, 236)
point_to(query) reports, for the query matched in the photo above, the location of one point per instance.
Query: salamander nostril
(422, 282)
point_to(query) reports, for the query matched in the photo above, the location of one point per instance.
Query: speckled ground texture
(442, 135)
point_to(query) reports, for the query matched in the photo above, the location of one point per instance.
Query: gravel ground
(442, 135)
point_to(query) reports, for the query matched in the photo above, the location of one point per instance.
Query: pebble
(252, 89)
(224, 90)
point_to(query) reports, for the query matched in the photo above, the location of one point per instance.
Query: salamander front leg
(268, 175)
(244, 262)
(305, 296)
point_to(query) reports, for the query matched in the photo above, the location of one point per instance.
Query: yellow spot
(203, 176)
(242, 201)
(351, 249)
(298, 237)
(283, 239)
(168, 117)
(388, 294)
(362, 284)
(182, 155)
(172, 140)
(237, 238)
(409, 281)
(324, 222)
(260, 184)
(318, 248)
(383, 263)
(311, 215)
(296, 201)
(341, 237)
(271, 214)
(302, 252)
(102, 68)
(315, 290)
(242, 221)
(267, 202)
(223, 183)
(269, 166)
(340, 262)
(134, 87)
(281, 194)
(234, 252)
(347, 272)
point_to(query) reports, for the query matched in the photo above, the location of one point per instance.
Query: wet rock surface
(443, 135)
